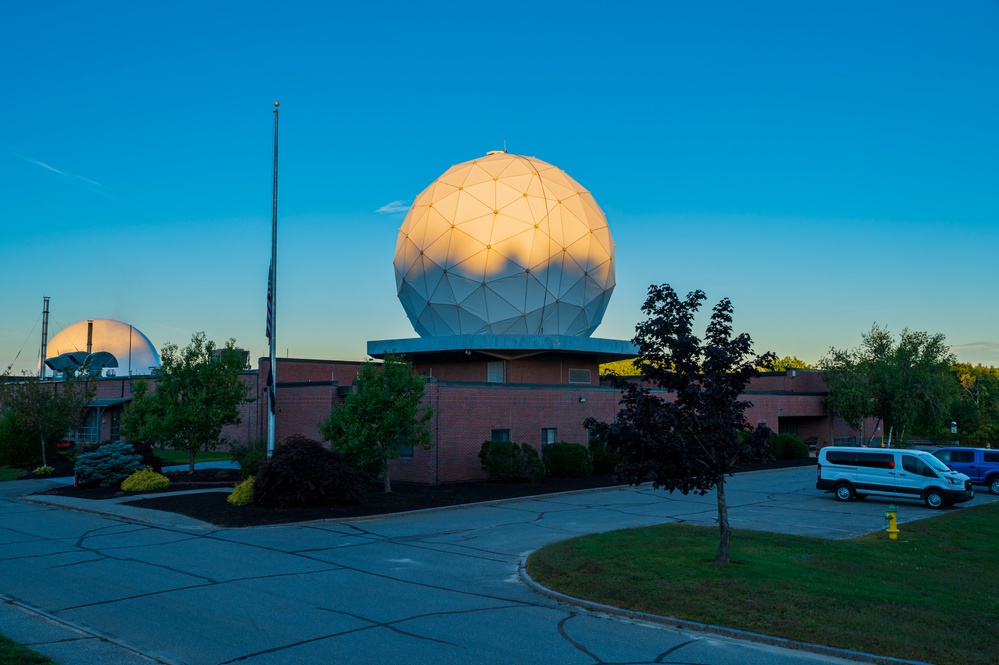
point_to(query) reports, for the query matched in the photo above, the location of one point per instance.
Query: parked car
(979, 464)
(854, 473)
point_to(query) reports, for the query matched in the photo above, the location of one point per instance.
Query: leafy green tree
(620, 367)
(44, 409)
(904, 385)
(976, 409)
(786, 363)
(689, 439)
(198, 392)
(380, 415)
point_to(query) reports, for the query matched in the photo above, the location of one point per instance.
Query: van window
(876, 460)
(853, 458)
(846, 459)
(916, 466)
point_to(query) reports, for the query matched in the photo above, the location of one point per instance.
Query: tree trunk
(191, 453)
(725, 534)
(877, 426)
(385, 477)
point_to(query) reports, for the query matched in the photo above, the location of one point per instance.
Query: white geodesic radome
(132, 350)
(504, 244)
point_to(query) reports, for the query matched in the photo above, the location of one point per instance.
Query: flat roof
(506, 346)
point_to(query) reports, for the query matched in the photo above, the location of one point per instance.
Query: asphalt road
(435, 587)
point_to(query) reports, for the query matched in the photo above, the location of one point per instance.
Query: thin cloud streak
(80, 180)
(986, 346)
(394, 207)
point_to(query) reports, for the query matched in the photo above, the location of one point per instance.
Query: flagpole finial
(277, 104)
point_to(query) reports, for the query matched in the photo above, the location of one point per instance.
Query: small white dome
(132, 349)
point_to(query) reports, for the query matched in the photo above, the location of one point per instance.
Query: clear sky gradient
(826, 165)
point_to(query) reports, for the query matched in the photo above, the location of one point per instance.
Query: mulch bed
(213, 508)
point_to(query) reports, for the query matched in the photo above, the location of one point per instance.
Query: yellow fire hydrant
(891, 517)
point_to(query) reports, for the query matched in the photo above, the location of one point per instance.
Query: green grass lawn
(928, 596)
(12, 652)
(10, 474)
(183, 457)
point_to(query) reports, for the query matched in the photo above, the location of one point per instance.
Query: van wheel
(935, 499)
(844, 492)
(994, 484)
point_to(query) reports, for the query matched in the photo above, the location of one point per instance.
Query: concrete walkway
(434, 587)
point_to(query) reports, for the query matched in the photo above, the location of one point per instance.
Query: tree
(48, 410)
(786, 363)
(198, 392)
(688, 440)
(976, 409)
(380, 415)
(904, 385)
(621, 368)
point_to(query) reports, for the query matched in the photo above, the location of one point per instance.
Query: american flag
(270, 300)
(271, 385)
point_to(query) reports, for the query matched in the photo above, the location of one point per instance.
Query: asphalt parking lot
(439, 586)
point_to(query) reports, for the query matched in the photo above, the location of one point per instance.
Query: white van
(853, 473)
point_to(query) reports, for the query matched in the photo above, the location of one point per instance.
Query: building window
(499, 435)
(549, 435)
(579, 376)
(495, 372)
(405, 452)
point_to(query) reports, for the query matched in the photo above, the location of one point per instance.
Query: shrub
(243, 494)
(149, 458)
(567, 460)
(302, 473)
(249, 457)
(604, 461)
(145, 480)
(43, 470)
(108, 465)
(16, 445)
(511, 462)
(788, 446)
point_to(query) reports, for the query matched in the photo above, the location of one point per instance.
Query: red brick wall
(547, 369)
(536, 395)
(466, 414)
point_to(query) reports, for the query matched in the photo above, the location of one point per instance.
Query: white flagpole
(272, 303)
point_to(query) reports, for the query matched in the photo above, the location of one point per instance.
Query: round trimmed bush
(243, 494)
(567, 460)
(604, 461)
(301, 473)
(511, 462)
(145, 480)
(787, 446)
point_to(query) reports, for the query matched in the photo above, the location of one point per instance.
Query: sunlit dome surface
(504, 244)
(133, 350)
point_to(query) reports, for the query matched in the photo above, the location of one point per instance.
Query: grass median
(928, 596)
(12, 652)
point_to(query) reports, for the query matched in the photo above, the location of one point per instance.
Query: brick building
(537, 399)
(505, 266)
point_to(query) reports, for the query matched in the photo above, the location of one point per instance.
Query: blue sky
(825, 165)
